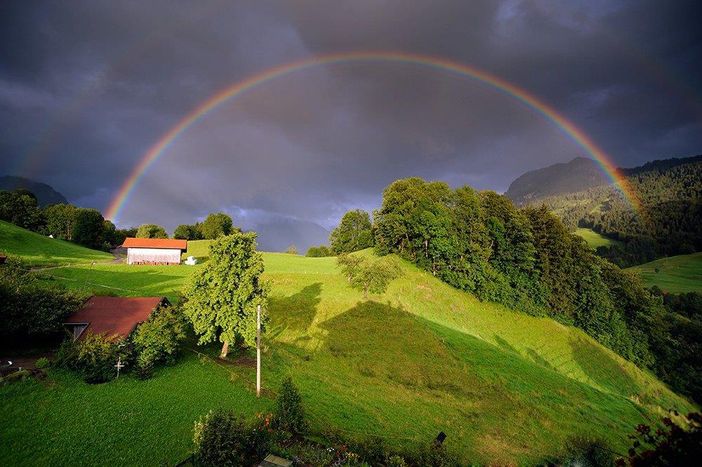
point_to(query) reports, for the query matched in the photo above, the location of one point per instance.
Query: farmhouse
(154, 250)
(115, 317)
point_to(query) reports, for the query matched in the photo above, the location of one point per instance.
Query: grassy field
(677, 274)
(593, 239)
(422, 358)
(40, 250)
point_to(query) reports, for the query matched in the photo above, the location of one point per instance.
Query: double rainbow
(441, 64)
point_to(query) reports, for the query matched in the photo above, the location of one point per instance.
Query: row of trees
(214, 226)
(89, 228)
(523, 258)
(84, 226)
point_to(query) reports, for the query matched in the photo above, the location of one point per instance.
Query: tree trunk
(225, 350)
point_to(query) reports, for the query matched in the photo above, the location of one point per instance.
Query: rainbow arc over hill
(428, 61)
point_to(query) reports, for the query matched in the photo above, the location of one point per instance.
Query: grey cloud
(88, 87)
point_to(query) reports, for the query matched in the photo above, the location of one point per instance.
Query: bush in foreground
(224, 439)
(289, 415)
(94, 356)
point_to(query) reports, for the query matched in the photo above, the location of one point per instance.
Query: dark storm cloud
(87, 87)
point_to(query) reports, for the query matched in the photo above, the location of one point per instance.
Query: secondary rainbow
(442, 64)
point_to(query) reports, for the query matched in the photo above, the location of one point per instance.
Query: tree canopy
(215, 226)
(221, 298)
(151, 231)
(354, 233)
(187, 232)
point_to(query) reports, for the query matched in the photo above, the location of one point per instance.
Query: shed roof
(114, 316)
(170, 243)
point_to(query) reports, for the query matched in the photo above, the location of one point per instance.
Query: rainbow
(442, 64)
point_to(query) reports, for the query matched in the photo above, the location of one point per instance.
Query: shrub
(588, 453)
(31, 307)
(289, 414)
(41, 363)
(223, 439)
(158, 339)
(93, 356)
(671, 444)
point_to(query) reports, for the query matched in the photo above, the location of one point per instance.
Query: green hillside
(40, 250)
(677, 274)
(424, 357)
(593, 239)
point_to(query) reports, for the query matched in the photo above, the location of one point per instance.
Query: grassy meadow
(594, 239)
(676, 274)
(505, 387)
(39, 250)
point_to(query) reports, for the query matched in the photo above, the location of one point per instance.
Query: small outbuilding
(154, 250)
(115, 317)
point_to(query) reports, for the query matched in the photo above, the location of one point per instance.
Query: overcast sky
(87, 87)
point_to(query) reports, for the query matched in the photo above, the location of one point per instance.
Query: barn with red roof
(154, 250)
(115, 317)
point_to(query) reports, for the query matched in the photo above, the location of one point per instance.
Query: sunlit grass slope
(593, 239)
(422, 358)
(40, 250)
(676, 274)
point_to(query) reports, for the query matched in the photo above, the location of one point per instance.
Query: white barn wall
(153, 255)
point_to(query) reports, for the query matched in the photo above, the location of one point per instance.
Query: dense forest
(526, 259)
(669, 223)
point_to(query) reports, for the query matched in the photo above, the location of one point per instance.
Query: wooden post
(258, 351)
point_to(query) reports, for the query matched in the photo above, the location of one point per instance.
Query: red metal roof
(131, 242)
(114, 316)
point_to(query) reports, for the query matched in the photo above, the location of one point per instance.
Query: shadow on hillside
(601, 367)
(386, 342)
(295, 312)
(531, 354)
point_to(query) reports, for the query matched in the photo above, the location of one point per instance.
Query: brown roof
(114, 316)
(131, 242)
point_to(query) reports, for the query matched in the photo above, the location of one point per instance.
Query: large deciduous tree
(355, 232)
(20, 207)
(60, 220)
(151, 231)
(89, 228)
(187, 232)
(216, 225)
(221, 299)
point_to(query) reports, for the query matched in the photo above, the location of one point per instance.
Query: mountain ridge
(45, 193)
(578, 174)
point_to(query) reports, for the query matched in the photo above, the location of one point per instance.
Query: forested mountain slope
(668, 223)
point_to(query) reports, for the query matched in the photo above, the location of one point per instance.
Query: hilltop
(419, 359)
(40, 250)
(45, 194)
(579, 174)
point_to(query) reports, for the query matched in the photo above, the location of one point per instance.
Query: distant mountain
(277, 234)
(45, 194)
(577, 175)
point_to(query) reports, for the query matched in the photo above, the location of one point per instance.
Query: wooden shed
(154, 250)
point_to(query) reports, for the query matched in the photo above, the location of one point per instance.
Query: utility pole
(258, 351)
